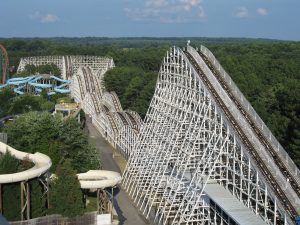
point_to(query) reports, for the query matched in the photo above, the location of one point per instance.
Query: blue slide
(20, 83)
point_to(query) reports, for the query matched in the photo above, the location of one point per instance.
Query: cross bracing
(69, 65)
(195, 134)
(120, 127)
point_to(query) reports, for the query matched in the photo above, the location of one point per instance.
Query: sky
(275, 19)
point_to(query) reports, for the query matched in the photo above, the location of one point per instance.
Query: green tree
(48, 134)
(36, 132)
(42, 69)
(11, 192)
(6, 96)
(8, 164)
(66, 196)
(24, 103)
(37, 201)
(76, 148)
(134, 87)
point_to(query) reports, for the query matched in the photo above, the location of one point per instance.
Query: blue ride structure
(37, 83)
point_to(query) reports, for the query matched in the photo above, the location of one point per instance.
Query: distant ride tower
(3, 64)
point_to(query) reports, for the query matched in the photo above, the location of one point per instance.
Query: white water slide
(42, 163)
(93, 179)
(99, 179)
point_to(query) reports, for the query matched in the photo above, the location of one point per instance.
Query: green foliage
(12, 105)
(74, 145)
(24, 103)
(37, 201)
(58, 97)
(6, 96)
(11, 202)
(66, 196)
(82, 115)
(10, 192)
(134, 87)
(268, 75)
(147, 59)
(8, 164)
(45, 133)
(42, 69)
(35, 132)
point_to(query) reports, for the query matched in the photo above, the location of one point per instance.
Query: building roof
(235, 209)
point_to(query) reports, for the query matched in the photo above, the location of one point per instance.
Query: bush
(66, 196)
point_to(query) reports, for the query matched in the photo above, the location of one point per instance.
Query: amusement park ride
(33, 83)
(4, 63)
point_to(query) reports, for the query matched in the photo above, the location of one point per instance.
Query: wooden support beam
(25, 200)
(22, 200)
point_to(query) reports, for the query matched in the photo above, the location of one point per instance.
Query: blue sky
(278, 19)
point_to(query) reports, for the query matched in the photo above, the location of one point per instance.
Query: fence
(86, 219)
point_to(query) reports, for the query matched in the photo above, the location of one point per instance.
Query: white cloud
(262, 11)
(167, 11)
(49, 18)
(201, 12)
(242, 12)
(156, 3)
(44, 18)
(35, 15)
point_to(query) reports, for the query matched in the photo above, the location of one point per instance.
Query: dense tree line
(133, 85)
(147, 58)
(269, 76)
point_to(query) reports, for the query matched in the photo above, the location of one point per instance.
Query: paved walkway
(127, 212)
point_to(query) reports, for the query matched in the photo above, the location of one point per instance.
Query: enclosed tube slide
(42, 163)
